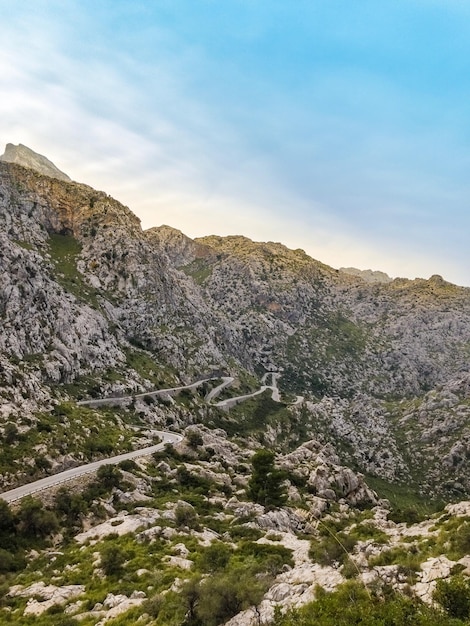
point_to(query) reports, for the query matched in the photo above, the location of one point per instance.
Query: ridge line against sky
(340, 128)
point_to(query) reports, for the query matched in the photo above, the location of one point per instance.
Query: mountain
(22, 155)
(84, 289)
(373, 404)
(371, 276)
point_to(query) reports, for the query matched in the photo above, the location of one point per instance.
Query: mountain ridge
(22, 155)
(374, 393)
(216, 301)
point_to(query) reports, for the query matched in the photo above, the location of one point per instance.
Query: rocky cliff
(84, 291)
(22, 155)
(373, 403)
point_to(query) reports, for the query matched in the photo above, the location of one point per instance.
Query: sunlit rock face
(22, 155)
(383, 366)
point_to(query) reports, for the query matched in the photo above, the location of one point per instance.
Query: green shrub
(332, 548)
(112, 559)
(460, 541)
(109, 476)
(11, 561)
(267, 557)
(454, 596)
(242, 531)
(10, 433)
(98, 446)
(70, 507)
(128, 465)
(194, 439)
(214, 557)
(367, 530)
(153, 605)
(42, 463)
(185, 515)
(218, 598)
(190, 479)
(34, 521)
(409, 515)
(352, 604)
(409, 558)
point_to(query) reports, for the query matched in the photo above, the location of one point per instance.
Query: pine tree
(266, 483)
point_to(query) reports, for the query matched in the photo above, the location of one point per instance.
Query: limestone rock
(42, 597)
(24, 156)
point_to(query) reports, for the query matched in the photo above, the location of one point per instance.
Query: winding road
(75, 472)
(52, 481)
(113, 400)
(236, 400)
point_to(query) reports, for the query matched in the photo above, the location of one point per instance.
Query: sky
(338, 127)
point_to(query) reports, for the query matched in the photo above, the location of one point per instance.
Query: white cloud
(138, 130)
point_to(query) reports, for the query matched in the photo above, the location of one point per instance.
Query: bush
(190, 479)
(7, 523)
(42, 463)
(10, 433)
(109, 476)
(460, 541)
(268, 558)
(332, 549)
(128, 465)
(70, 507)
(351, 604)
(112, 560)
(34, 521)
(223, 596)
(98, 446)
(215, 557)
(194, 439)
(185, 515)
(153, 605)
(409, 558)
(409, 515)
(10, 562)
(454, 596)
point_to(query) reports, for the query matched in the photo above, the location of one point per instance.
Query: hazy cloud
(340, 132)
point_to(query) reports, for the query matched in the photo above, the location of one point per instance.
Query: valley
(249, 436)
(166, 438)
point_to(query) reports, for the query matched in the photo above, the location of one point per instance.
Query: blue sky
(339, 127)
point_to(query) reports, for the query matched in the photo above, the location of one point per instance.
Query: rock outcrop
(85, 292)
(22, 155)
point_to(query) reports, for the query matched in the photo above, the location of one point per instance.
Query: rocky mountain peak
(370, 276)
(24, 156)
(179, 248)
(253, 352)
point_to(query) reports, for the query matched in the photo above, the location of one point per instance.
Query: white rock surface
(42, 597)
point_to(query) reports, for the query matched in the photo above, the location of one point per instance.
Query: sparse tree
(266, 483)
(34, 520)
(112, 559)
(109, 476)
(454, 596)
(194, 439)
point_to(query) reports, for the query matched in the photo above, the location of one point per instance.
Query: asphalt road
(75, 472)
(94, 403)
